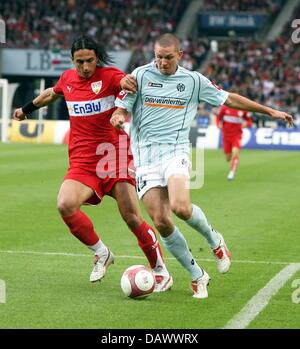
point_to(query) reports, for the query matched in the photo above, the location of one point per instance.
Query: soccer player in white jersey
(162, 112)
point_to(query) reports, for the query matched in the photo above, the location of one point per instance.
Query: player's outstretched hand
(128, 83)
(19, 115)
(117, 120)
(283, 116)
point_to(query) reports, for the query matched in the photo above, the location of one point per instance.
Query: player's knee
(162, 223)
(66, 207)
(182, 209)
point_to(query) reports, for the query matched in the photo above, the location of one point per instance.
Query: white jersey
(163, 110)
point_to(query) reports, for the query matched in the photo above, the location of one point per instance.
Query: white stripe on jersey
(232, 119)
(88, 108)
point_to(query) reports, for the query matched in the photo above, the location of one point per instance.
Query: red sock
(82, 228)
(234, 163)
(147, 241)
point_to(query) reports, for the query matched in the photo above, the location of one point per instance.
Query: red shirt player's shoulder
(223, 108)
(111, 76)
(69, 73)
(229, 110)
(64, 78)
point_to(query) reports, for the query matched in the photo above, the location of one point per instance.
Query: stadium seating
(268, 72)
(265, 71)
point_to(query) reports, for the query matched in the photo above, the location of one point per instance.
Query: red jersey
(232, 120)
(90, 103)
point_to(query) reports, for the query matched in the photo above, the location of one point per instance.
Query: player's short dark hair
(86, 42)
(168, 39)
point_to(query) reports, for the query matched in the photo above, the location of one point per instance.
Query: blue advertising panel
(269, 138)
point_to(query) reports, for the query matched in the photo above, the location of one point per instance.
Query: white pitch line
(137, 257)
(262, 298)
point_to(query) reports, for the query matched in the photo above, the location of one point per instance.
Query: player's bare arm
(46, 97)
(237, 101)
(128, 83)
(118, 118)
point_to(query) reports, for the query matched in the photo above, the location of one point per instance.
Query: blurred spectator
(53, 24)
(266, 72)
(203, 119)
(271, 6)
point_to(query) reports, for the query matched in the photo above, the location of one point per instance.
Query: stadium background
(243, 45)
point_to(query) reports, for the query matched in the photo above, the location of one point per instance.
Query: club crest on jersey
(96, 86)
(180, 87)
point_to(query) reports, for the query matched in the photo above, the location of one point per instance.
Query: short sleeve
(211, 93)
(58, 88)
(126, 100)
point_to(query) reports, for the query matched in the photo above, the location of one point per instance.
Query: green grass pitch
(45, 270)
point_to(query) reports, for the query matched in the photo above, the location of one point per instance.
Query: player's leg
(227, 156)
(227, 147)
(126, 197)
(179, 198)
(235, 157)
(157, 205)
(71, 196)
(236, 145)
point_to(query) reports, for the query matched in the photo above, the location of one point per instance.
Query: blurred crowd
(120, 24)
(271, 6)
(266, 72)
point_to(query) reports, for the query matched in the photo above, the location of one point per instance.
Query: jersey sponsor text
(88, 108)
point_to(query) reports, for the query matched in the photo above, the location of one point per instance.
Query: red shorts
(92, 177)
(233, 141)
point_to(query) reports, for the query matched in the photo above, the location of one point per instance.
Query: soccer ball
(137, 281)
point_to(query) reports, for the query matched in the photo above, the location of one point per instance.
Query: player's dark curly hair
(86, 42)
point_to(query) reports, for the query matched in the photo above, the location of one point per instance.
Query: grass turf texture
(257, 214)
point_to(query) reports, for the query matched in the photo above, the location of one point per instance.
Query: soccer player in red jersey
(99, 155)
(231, 122)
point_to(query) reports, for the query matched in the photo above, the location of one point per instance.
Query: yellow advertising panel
(32, 131)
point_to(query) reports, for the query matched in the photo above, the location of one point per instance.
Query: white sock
(177, 245)
(99, 248)
(199, 222)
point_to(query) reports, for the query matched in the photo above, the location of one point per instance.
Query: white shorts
(148, 177)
